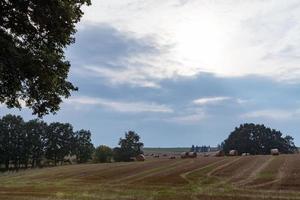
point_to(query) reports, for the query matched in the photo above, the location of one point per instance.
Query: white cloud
(188, 119)
(210, 100)
(275, 114)
(119, 106)
(242, 101)
(115, 77)
(227, 38)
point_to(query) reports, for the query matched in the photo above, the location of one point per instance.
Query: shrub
(102, 154)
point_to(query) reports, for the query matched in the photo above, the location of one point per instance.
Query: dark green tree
(4, 143)
(289, 144)
(118, 155)
(59, 141)
(193, 148)
(33, 36)
(258, 139)
(103, 154)
(35, 141)
(83, 148)
(12, 141)
(130, 147)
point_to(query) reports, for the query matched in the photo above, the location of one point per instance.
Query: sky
(183, 72)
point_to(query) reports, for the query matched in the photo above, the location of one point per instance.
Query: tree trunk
(6, 164)
(32, 163)
(55, 161)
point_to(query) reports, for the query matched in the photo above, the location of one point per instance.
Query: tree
(33, 36)
(59, 141)
(35, 141)
(192, 149)
(83, 147)
(103, 154)
(130, 147)
(12, 141)
(289, 144)
(197, 148)
(118, 155)
(258, 139)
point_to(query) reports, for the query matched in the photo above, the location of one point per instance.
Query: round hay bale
(275, 152)
(184, 155)
(140, 157)
(192, 154)
(233, 153)
(245, 154)
(220, 153)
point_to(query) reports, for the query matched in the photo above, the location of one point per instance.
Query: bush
(103, 154)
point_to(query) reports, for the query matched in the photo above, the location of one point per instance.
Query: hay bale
(275, 152)
(246, 154)
(188, 155)
(192, 154)
(140, 157)
(220, 153)
(233, 153)
(184, 155)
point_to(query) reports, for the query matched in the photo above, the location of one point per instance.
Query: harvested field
(232, 178)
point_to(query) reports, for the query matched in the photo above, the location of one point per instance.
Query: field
(150, 150)
(208, 178)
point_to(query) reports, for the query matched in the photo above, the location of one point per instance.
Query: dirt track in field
(251, 177)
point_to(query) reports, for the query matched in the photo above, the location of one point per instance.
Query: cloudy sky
(183, 72)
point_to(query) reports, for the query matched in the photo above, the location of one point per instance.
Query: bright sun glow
(200, 42)
(225, 38)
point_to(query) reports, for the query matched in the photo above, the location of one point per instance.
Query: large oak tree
(33, 36)
(258, 139)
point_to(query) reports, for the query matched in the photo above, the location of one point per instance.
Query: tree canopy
(258, 139)
(83, 147)
(130, 146)
(33, 36)
(102, 154)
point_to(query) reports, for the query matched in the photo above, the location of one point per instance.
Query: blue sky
(183, 72)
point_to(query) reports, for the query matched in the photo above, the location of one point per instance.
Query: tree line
(258, 139)
(200, 149)
(30, 144)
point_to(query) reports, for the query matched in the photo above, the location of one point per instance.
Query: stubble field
(215, 178)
